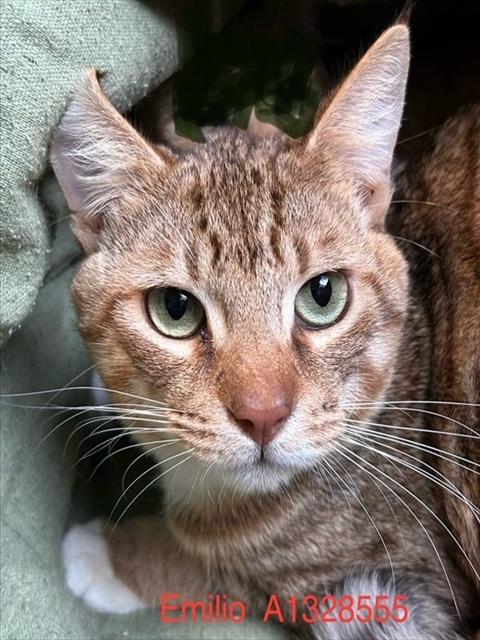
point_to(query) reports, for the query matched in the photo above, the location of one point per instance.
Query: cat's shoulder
(437, 199)
(451, 167)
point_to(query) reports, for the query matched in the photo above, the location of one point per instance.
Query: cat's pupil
(321, 289)
(176, 302)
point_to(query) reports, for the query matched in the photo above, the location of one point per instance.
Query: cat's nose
(261, 421)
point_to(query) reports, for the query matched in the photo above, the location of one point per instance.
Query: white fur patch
(89, 572)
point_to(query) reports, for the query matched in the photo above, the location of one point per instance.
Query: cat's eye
(322, 300)
(174, 312)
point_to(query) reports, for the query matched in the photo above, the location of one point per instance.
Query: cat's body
(318, 500)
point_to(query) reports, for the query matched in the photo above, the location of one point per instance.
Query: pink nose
(260, 422)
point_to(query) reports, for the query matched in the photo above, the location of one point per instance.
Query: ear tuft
(357, 132)
(101, 162)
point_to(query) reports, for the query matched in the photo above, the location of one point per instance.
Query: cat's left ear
(103, 165)
(356, 133)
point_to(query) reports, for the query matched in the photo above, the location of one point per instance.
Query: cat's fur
(242, 222)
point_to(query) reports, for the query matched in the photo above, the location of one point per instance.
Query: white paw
(89, 572)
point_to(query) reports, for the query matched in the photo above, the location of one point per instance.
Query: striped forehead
(239, 218)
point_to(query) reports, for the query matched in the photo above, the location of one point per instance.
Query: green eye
(175, 313)
(321, 300)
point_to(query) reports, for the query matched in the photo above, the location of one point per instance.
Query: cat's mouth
(262, 459)
(273, 460)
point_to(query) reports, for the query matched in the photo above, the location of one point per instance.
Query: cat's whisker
(101, 422)
(385, 497)
(473, 436)
(147, 451)
(76, 412)
(97, 448)
(132, 423)
(154, 481)
(405, 407)
(442, 416)
(405, 412)
(416, 244)
(125, 473)
(345, 470)
(142, 475)
(325, 479)
(114, 441)
(193, 486)
(429, 537)
(67, 386)
(40, 407)
(104, 421)
(172, 483)
(397, 402)
(233, 496)
(374, 440)
(355, 393)
(61, 424)
(220, 495)
(372, 521)
(443, 481)
(129, 409)
(418, 135)
(203, 479)
(428, 203)
(420, 446)
(140, 407)
(86, 423)
(120, 433)
(46, 420)
(284, 490)
(345, 495)
(415, 497)
(124, 419)
(84, 388)
(319, 468)
(122, 449)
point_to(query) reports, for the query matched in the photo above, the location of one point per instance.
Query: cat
(248, 305)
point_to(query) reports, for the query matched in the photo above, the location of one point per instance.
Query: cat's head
(247, 282)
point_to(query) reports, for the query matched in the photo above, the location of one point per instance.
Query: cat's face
(247, 284)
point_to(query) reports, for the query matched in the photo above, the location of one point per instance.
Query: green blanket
(45, 45)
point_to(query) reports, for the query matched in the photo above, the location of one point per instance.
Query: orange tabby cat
(245, 302)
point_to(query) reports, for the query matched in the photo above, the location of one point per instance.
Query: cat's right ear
(102, 164)
(355, 133)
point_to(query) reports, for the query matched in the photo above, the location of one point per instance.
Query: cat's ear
(102, 164)
(357, 130)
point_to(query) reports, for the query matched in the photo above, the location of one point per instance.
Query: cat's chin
(198, 480)
(261, 477)
(257, 473)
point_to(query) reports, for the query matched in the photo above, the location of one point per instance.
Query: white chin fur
(89, 572)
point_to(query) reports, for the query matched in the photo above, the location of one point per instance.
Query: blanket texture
(45, 45)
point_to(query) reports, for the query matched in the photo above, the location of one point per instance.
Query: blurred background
(282, 56)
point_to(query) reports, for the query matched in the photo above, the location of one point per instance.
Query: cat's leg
(427, 615)
(128, 568)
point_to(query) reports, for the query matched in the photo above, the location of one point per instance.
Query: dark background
(283, 56)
